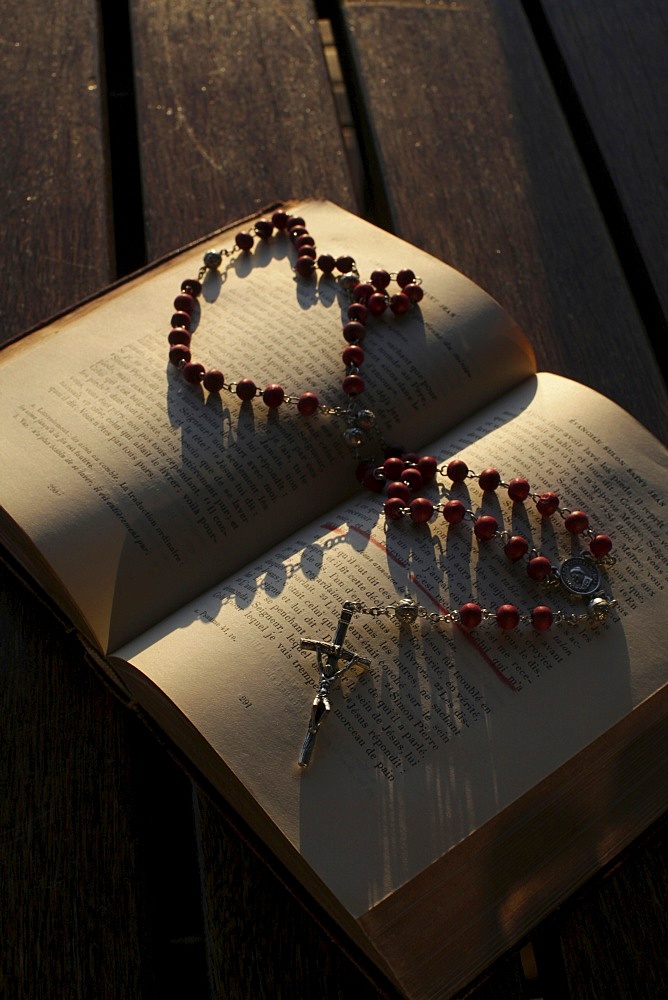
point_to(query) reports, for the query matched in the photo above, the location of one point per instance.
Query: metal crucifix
(328, 654)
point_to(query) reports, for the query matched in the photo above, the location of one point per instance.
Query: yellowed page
(445, 728)
(141, 491)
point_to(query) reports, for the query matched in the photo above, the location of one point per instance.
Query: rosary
(402, 475)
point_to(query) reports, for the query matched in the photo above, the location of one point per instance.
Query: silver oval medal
(580, 575)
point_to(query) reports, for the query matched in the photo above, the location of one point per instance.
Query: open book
(463, 781)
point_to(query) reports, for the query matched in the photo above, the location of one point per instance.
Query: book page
(141, 490)
(444, 727)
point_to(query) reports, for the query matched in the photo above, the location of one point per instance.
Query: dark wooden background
(523, 142)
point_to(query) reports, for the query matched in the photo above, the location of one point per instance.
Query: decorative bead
(406, 612)
(304, 266)
(377, 304)
(507, 617)
(539, 568)
(183, 319)
(489, 479)
(393, 509)
(400, 304)
(454, 511)
(421, 510)
(353, 331)
(326, 263)
(400, 490)
(353, 355)
(193, 372)
(293, 222)
(297, 230)
(485, 527)
(457, 470)
(518, 490)
(542, 618)
(353, 385)
(393, 467)
(516, 547)
(185, 303)
(307, 404)
(600, 546)
(305, 240)
(365, 419)
(357, 311)
(405, 276)
(191, 286)
(244, 241)
(547, 503)
(214, 380)
(273, 396)
(380, 279)
(246, 389)
(412, 477)
(344, 264)
(213, 259)
(349, 281)
(354, 437)
(414, 292)
(576, 522)
(179, 353)
(280, 219)
(179, 336)
(470, 615)
(264, 228)
(427, 466)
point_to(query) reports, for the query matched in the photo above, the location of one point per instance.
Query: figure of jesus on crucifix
(329, 655)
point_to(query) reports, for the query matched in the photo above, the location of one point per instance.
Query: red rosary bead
(400, 304)
(183, 319)
(412, 478)
(421, 510)
(380, 279)
(507, 617)
(414, 292)
(363, 292)
(457, 470)
(273, 396)
(307, 404)
(244, 241)
(394, 509)
(354, 331)
(326, 263)
(304, 266)
(600, 546)
(516, 547)
(485, 527)
(427, 467)
(377, 304)
(192, 286)
(193, 372)
(454, 511)
(547, 503)
(393, 467)
(246, 389)
(353, 385)
(489, 479)
(280, 219)
(344, 263)
(357, 311)
(179, 353)
(264, 228)
(400, 490)
(405, 276)
(542, 618)
(353, 355)
(185, 303)
(539, 568)
(214, 380)
(518, 490)
(179, 336)
(470, 615)
(576, 522)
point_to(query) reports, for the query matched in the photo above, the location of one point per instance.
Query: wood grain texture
(68, 909)
(615, 54)
(474, 162)
(610, 939)
(235, 111)
(55, 239)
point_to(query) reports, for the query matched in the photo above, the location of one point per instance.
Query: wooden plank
(615, 54)
(472, 160)
(55, 239)
(235, 111)
(609, 940)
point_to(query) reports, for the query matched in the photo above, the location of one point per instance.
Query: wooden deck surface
(525, 143)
